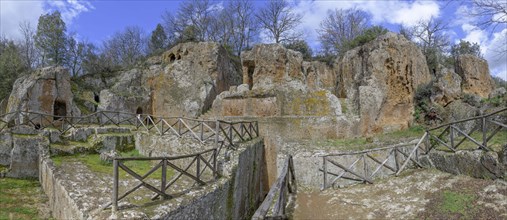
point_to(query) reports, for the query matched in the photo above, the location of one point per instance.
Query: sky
(97, 20)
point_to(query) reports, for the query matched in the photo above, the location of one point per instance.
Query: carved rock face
(379, 80)
(46, 90)
(475, 74)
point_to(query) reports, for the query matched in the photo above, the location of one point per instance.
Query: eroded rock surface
(415, 194)
(379, 80)
(447, 87)
(475, 74)
(46, 90)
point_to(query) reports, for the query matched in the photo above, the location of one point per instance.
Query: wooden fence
(281, 190)
(198, 162)
(452, 137)
(366, 164)
(222, 133)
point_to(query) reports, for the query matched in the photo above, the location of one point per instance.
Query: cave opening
(250, 72)
(59, 110)
(139, 111)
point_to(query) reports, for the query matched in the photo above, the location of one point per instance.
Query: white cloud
(496, 54)
(394, 12)
(13, 13)
(70, 9)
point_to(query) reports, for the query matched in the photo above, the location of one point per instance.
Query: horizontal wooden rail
(284, 186)
(368, 163)
(452, 136)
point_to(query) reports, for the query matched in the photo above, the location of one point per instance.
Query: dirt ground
(417, 194)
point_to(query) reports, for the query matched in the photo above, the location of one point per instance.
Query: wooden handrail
(285, 184)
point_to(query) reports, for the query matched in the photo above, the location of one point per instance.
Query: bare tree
(76, 52)
(431, 38)
(196, 15)
(28, 50)
(127, 47)
(244, 26)
(280, 21)
(490, 13)
(339, 28)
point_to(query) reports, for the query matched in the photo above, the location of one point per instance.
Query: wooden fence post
(115, 186)
(164, 173)
(451, 135)
(198, 167)
(215, 168)
(217, 132)
(324, 167)
(484, 133)
(202, 130)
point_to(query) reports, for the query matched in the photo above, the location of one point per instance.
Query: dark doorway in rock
(59, 110)
(250, 72)
(96, 97)
(139, 111)
(172, 58)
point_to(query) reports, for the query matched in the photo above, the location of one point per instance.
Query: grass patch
(93, 162)
(457, 203)
(495, 143)
(20, 199)
(363, 143)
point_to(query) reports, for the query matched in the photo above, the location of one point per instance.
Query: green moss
(343, 104)
(93, 162)
(20, 199)
(458, 203)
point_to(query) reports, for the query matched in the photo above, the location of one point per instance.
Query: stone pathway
(417, 194)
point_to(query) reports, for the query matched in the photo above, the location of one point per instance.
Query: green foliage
(499, 82)
(300, 46)
(465, 47)
(158, 39)
(423, 92)
(457, 203)
(368, 35)
(471, 100)
(190, 34)
(51, 38)
(11, 66)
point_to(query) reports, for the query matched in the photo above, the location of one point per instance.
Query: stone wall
(235, 195)
(61, 204)
(239, 196)
(19, 150)
(478, 163)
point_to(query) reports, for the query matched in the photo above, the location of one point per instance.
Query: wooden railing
(366, 164)
(223, 133)
(452, 137)
(199, 164)
(281, 190)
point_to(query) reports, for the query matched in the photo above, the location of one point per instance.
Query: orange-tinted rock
(475, 74)
(379, 80)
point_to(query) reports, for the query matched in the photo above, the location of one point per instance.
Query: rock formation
(447, 87)
(127, 95)
(184, 81)
(192, 76)
(46, 90)
(277, 82)
(379, 80)
(475, 74)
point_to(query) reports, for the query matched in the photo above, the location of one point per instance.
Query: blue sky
(96, 20)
